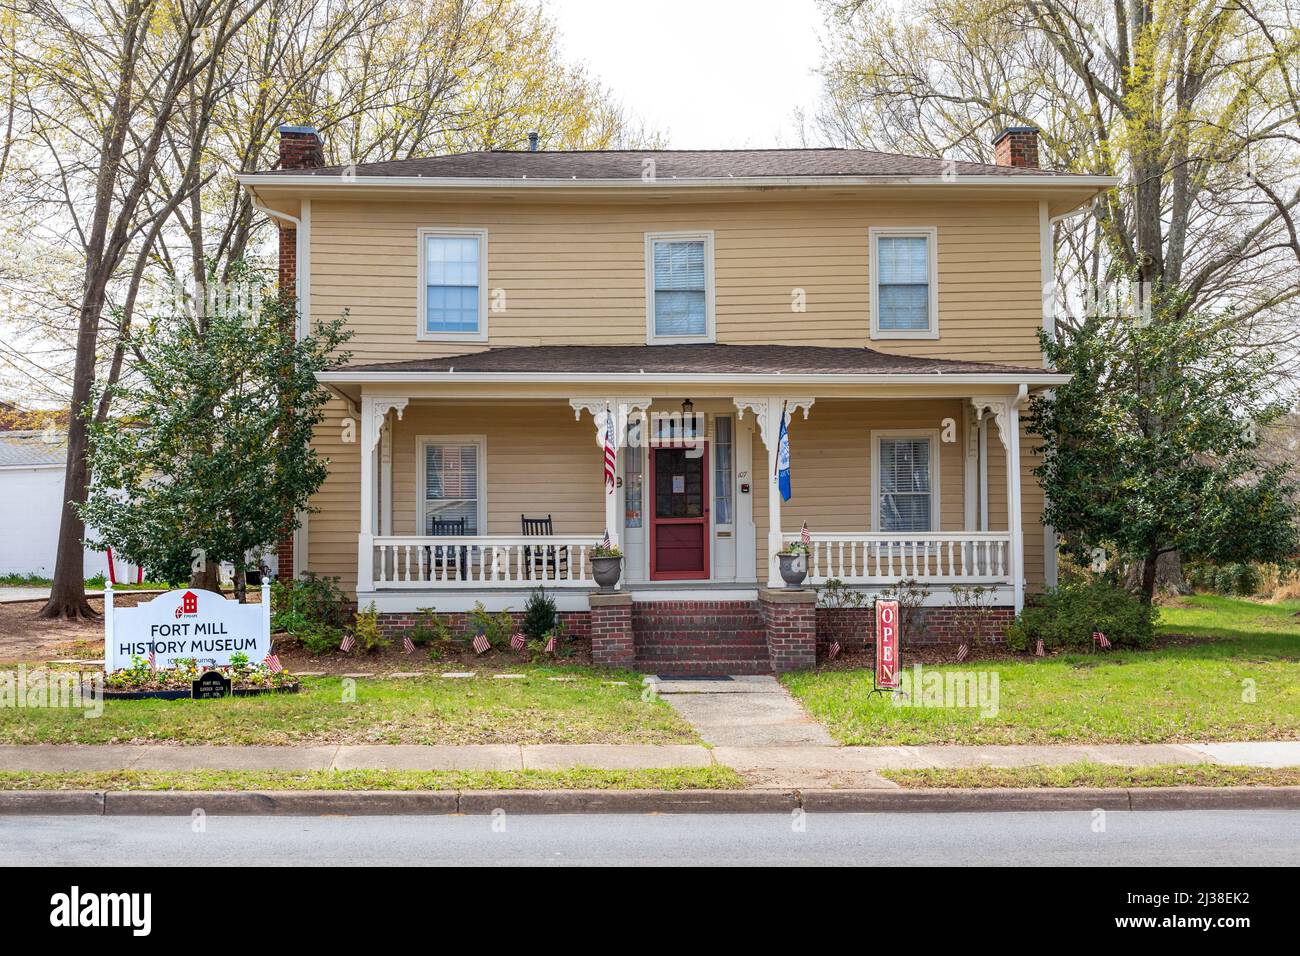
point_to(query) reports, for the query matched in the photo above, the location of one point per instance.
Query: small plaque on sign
(210, 686)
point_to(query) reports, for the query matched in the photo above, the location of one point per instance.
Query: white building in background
(31, 500)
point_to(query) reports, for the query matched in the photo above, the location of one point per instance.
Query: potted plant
(606, 565)
(794, 564)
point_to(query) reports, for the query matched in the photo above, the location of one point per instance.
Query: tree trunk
(241, 586)
(208, 578)
(1169, 573)
(1149, 565)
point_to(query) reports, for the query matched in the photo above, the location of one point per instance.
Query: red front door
(679, 514)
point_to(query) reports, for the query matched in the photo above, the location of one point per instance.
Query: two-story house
(515, 312)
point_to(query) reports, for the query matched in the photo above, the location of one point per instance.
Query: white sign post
(191, 623)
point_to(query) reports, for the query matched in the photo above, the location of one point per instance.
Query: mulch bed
(453, 655)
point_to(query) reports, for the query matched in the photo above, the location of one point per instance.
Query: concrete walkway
(744, 712)
(807, 759)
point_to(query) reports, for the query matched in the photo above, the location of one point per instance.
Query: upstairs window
(453, 284)
(904, 295)
(679, 287)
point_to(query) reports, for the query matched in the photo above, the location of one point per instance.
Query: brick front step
(700, 637)
(698, 668)
(707, 652)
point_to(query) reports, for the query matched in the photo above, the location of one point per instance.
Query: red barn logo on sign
(189, 604)
(887, 644)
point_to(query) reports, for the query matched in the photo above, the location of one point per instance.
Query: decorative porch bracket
(621, 408)
(374, 412)
(1005, 410)
(767, 410)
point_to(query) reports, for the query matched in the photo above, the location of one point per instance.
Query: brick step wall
(700, 637)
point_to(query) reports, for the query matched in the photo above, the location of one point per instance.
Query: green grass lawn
(1095, 775)
(1185, 692)
(577, 778)
(423, 710)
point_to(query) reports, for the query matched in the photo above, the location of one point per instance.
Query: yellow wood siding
(574, 274)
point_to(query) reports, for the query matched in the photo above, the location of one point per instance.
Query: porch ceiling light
(688, 407)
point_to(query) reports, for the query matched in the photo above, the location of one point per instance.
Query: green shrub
(430, 628)
(319, 638)
(539, 616)
(1064, 618)
(497, 628)
(366, 631)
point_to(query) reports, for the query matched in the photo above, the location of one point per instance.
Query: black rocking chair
(435, 556)
(545, 561)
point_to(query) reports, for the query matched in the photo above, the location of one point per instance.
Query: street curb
(389, 802)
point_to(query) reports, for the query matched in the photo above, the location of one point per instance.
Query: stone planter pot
(794, 568)
(607, 571)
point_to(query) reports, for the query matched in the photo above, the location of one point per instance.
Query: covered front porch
(478, 494)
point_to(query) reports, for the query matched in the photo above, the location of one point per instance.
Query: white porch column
(374, 412)
(767, 410)
(602, 409)
(1006, 415)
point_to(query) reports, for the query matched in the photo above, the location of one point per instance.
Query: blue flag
(783, 460)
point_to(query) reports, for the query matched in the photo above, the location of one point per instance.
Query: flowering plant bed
(140, 681)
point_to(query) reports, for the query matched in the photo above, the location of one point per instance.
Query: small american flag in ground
(550, 644)
(1100, 638)
(1039, 650)
(153, 661)
(481, 645)
(272, 663)
(834, 651)
(349, 642)
(408, 645)
(805, 535)
(962, 651)
(518, 641)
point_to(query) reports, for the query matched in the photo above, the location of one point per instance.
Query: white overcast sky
(710, 73)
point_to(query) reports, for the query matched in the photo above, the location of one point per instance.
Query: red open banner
(887, 644)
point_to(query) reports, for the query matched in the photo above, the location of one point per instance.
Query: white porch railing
(950, 557)
(479, 561)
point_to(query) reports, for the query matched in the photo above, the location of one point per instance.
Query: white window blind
(905, 484)
(680, 296)
(451, 481)
(903, 266)
(451, 276)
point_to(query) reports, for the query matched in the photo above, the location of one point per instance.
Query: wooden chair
(435, 556)
(547, 561)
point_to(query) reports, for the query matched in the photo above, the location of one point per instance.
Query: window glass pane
(451, 273)
(905, 492)
(722, 470)
(679, 287)
(632, 477)
(903, 285)
(451, 485)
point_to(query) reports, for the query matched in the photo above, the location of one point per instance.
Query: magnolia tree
(210, 459)
(1155, 445)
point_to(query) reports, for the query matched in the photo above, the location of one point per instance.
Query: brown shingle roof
(614, 164)
(688, 359)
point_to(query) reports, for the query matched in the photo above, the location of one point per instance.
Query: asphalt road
(1148, 838)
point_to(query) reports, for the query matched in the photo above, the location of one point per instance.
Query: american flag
(550, 644)
(962, 651)
(805, 535)
(604, 541)
(349, 642)
(272, 663)
(1039, 650)
(518, 641)
(481, 645)
(835, 650)
(1100, 638)
(153, 661)
(611, 454)
(408, 645)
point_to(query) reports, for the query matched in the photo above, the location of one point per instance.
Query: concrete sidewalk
(781, 759)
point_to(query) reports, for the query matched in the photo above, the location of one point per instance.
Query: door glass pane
(451, 485)
(905, 484)
(679, 484)
(722, 470)
(632, 479)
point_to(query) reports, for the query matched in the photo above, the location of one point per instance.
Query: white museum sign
(190, 623)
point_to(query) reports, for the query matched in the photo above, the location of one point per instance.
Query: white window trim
(875, 233)
(935, 487)
(422, 295)
(709, 325)
(421, 443)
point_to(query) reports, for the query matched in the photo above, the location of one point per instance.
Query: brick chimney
(300, 148)
(1017, 146)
